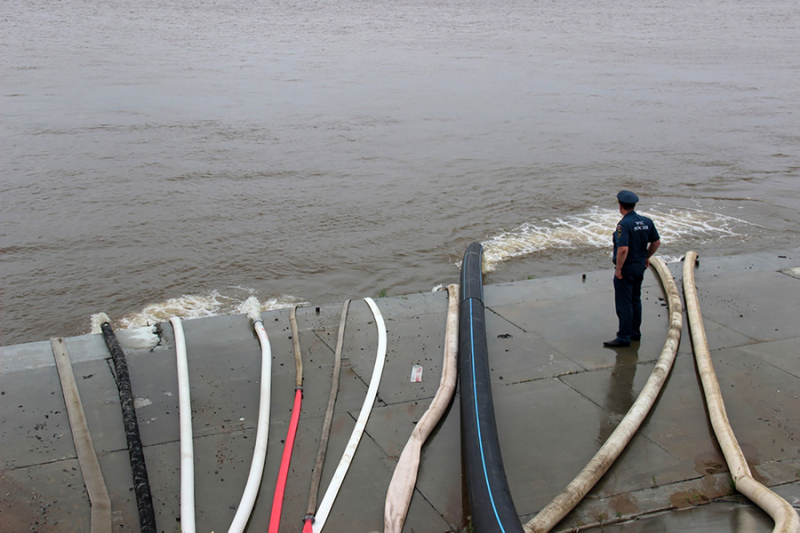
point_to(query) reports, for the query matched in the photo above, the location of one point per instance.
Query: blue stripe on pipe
(480, 266)
(478, 420)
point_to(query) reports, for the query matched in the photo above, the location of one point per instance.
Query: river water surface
(175, 158)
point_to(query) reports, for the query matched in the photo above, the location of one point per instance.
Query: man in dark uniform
(635, 241)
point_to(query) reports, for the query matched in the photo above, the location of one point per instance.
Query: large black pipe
(489, 496)
(141, 485)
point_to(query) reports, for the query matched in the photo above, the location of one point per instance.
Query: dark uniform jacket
(635, 232)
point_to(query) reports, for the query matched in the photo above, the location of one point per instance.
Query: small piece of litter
(416, 374)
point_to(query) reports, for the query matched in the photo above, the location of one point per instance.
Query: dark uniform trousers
(628, 301)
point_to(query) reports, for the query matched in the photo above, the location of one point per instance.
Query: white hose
(785, 517)
(262, 435)
(556, 510)
(401, 488)
(187, 447)
(361, 423)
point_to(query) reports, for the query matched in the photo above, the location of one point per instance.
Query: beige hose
(316, 477)
(401, 488)
(298, 358)
(786, 519)
(82, 437)
(556, 510)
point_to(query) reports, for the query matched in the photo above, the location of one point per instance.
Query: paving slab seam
(581, 394)
(199, 434)
(770, 363)
(368, 434)
(12, 468)
(783, 484)
(109, 452)
(731, 499)
(541, 340)
(567, 373)
(597, 511)
(659, 446)
(497, 313)
(662, 487)
(776, 367)
(317, 333)
(612, 522)
(753, 341)
(606, 522)
(401, 402)
(428, 398)
(433, 506)
(540, 378)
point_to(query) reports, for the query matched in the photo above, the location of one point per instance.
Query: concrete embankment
(558, 394)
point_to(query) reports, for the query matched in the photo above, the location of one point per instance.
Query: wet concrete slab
(575, 327)
(763, 406)
(518, 356)
(757, 308)
(39, 354)
(55, 501)
(775, 352)
(678, 422)
(557, 288)
(558, 394)
(548, 432)
(34, 427)
(718, 336)
(644, 463)
(412, 339)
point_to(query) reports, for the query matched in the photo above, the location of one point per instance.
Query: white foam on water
(252, 308)
(213, 303)
(591, 229)
(594, 229)
(98, 320)
(139, 338)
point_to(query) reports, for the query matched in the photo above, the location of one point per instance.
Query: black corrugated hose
(141, 485)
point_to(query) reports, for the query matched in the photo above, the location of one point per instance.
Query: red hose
(283, 473)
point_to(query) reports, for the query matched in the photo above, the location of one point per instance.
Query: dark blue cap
(627, 197)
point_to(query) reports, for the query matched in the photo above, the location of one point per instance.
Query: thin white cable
(187, 447)
(262, 435)
(361, 423)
